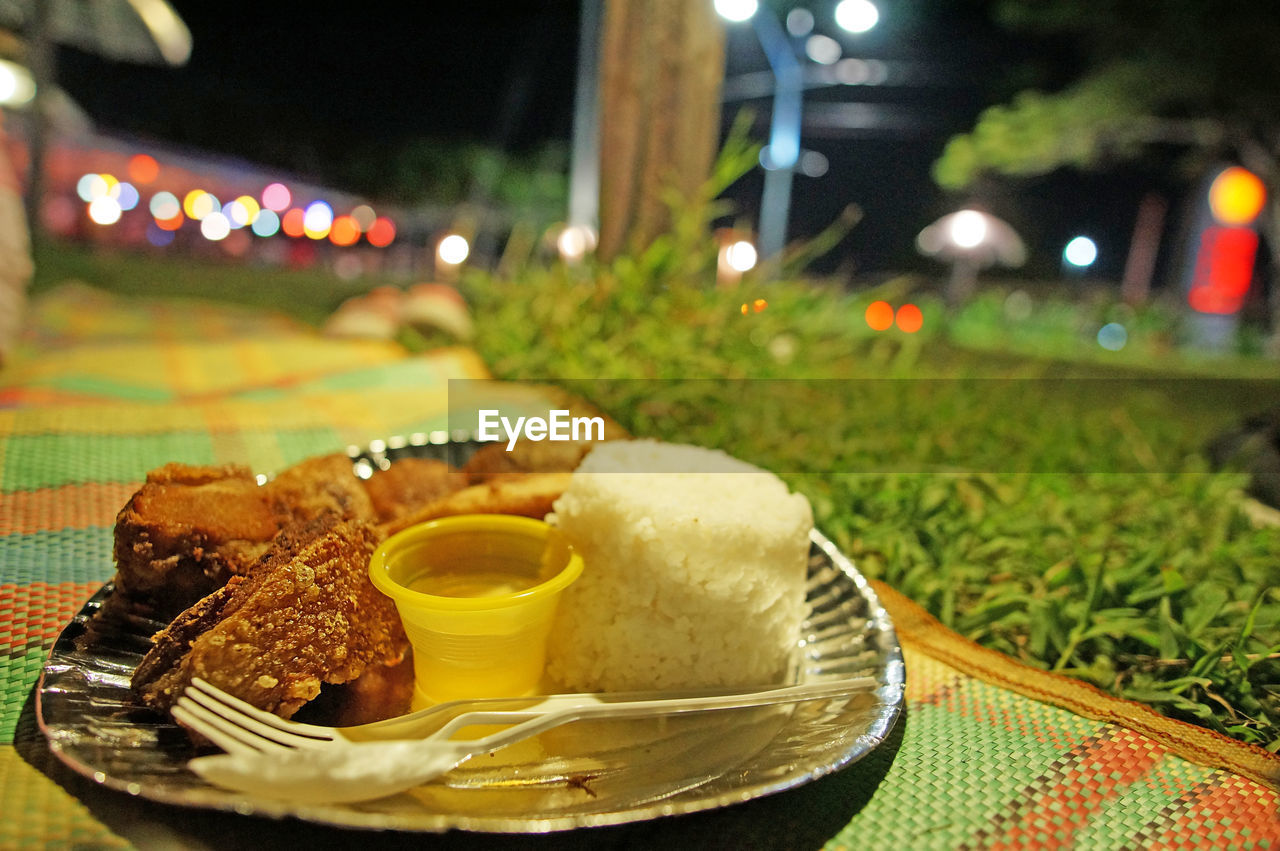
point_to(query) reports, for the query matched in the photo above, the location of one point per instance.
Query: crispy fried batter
(530, 495)
(190, 528)
(173, 642)
(409, 484)
(382, 691)
(307, 615)
(274, 581)
(319, 486)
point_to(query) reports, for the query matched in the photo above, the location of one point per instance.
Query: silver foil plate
(584, 774)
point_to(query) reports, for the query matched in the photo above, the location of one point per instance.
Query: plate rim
(888, 712)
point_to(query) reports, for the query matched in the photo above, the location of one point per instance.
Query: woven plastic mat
(989, 754)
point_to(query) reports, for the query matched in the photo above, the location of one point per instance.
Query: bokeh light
(800, 22)
(736, 10)
(91, 186)
(813, 164)
(197, 204)
(165, 205)
(17, 87)
(574, 241)
(364, 217)
(126, 195)
(741, 256)
(879, 316)
(143, 168)
(237, 215)
(857, 16)
(267, 223)
(159, 236)
(1080, 252)
(104, 210)
(1236, 196)
(968, 229)
(345, 231)
(243, 210)
(909, 319)
(292, 223)
(853, 71)
(381, 233)
(453, 249)
(206, 205)
(1113, 336)
(215, 226)
(822, 49)
(317, 220)
(172, 223)
(276, 197)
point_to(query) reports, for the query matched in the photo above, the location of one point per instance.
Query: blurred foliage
(1150, 583)
(1178, 73)
(530, 185)
(548, 317)
(1134, 567)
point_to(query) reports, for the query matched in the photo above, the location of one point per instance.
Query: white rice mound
(695, 567)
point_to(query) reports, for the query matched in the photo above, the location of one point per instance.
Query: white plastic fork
(268, 756)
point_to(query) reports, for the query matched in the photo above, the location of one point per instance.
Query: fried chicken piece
(307, 615)
(411, 483)
(189, 529)
(318, 486)
(527, 456)
(530, 495)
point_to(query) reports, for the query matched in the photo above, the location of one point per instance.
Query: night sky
(314, 88)
(283, 86)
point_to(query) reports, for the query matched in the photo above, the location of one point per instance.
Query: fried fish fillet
(189, 529)
(307, 615)
(319, 486)
(530, 495)
(411, 483)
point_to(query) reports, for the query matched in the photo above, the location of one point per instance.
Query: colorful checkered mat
(989, 754)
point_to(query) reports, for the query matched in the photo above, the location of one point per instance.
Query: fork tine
(229, 737)
(308, 730)
(250, 724)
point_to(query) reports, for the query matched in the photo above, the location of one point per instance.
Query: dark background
(329, 90)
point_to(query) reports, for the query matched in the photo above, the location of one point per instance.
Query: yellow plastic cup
(477, 595)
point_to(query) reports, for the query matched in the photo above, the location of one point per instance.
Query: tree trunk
(662, 65)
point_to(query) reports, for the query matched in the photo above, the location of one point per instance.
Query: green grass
(309, 295)
(1124, 561)
(1128, 564)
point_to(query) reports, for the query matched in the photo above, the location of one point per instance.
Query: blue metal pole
(584, 170)
(784, 134)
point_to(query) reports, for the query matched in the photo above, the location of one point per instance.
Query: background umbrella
(970, 240)
(146, 32)
(139, 31)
